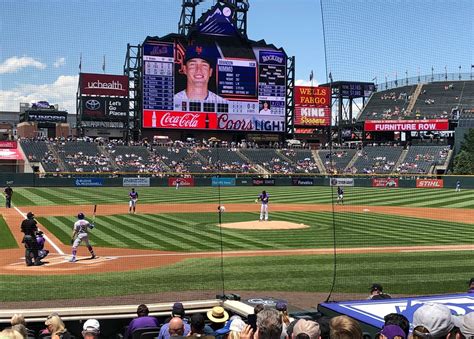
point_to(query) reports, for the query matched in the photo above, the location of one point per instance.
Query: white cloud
(62, 92)
(14, 64)
(59, 62)
(301, 82)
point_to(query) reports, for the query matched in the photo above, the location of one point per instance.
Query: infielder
(340, 195)
(81, 233)
(133, 201)
(458, 186)
(263, 197)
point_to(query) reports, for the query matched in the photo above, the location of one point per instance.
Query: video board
(213, 81)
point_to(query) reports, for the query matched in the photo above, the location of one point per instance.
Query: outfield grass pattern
(199, 231)
(414, 197)
(407, 273)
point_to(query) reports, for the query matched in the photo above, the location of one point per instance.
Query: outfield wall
(129, 180)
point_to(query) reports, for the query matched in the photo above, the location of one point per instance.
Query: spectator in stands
(471, 286)
(344, 327)
(432, 321)
(91, 329)
(19, 319)
(324, 326)
(10, 333)
(232, 328)
(176, 312)
(258, 308)
(199, 329)
(142, 321)
(308, 328)
(56, 327)
(282, 308)
(392, 332)
(218, 316)
(399, 320)
(269, 324)
(176, 327)
(466, 326)
(376, 293)
(20, 328)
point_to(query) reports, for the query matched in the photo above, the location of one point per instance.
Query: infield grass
(6, 237)
(405, 273)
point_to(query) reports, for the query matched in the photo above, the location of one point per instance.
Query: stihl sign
(429, 183)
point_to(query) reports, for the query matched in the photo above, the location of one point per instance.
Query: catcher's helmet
(80, 216)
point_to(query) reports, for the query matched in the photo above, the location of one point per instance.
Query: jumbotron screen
(213, 79)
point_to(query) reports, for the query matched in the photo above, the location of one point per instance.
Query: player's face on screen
(265, 105)
(198, 72)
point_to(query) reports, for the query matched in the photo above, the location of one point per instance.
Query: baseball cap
(281, 306)
(91, 326)
(466, 325)
(178, 310)
(30, 215)
(200, 51)
(376, 287)
(436, 318)
(308, 327)
(390, 331)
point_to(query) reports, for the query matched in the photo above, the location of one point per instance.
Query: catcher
(81, 233)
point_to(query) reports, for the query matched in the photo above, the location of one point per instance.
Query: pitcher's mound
(265, 225)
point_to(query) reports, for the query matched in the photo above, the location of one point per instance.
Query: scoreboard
(213, 81)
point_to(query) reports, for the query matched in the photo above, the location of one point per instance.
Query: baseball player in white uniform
(80, 234)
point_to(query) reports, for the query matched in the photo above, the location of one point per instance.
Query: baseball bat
(93, 214)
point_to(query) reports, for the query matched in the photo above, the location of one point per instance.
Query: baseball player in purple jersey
(133, 201)
(80, 234)
(42, 253)
(263, 197)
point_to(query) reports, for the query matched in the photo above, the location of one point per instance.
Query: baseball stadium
(204, 179)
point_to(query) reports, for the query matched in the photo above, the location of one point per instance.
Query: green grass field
(7, 239)
(406, 273)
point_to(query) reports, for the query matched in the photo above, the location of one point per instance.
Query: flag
(311, 76)
(330, 76)
(103, 64)
(374, 79)
(80, 63)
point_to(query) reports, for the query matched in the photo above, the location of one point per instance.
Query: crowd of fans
(430, 320)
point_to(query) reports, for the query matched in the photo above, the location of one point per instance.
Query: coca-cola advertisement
(179, 120)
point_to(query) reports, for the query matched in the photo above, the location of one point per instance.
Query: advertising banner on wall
(103, 84)
(385, 182)
(429, 183)
(406, 125)
(136, 182)
(182, 181)
(89, 182)
(302, 181)
(341, 182)
(263, 182)
(218, 181)
(8, 144)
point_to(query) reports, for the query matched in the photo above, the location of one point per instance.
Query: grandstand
(377, 159)
(336, 161)
(390, 104)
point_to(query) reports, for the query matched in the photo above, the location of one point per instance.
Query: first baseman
(133, 201)
(263, 197)
(81, 233)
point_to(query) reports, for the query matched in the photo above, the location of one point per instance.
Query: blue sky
(40, 41)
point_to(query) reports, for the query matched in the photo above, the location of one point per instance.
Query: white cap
(91, 326)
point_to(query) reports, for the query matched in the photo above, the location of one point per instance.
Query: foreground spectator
(466, 326)
(176, 312)
(432, 321)
(282, 308)
(306, 328)
(232, 328)
(20, 328)
(57, 328)
(269, 325)
(199, 329)
(471, 286)
(392, 332)
(376, 293)
(176, 327)
(142, 321)
(19, 319)
(10, 333)
(344, 327)
(91, 329)
(399, 320)
(218, 316)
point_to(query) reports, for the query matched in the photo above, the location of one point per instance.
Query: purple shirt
(264, 198)
(40, 241)
(140, 322)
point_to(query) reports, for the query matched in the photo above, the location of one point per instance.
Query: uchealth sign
(103, 84)
(429, 183)
(406, 125)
